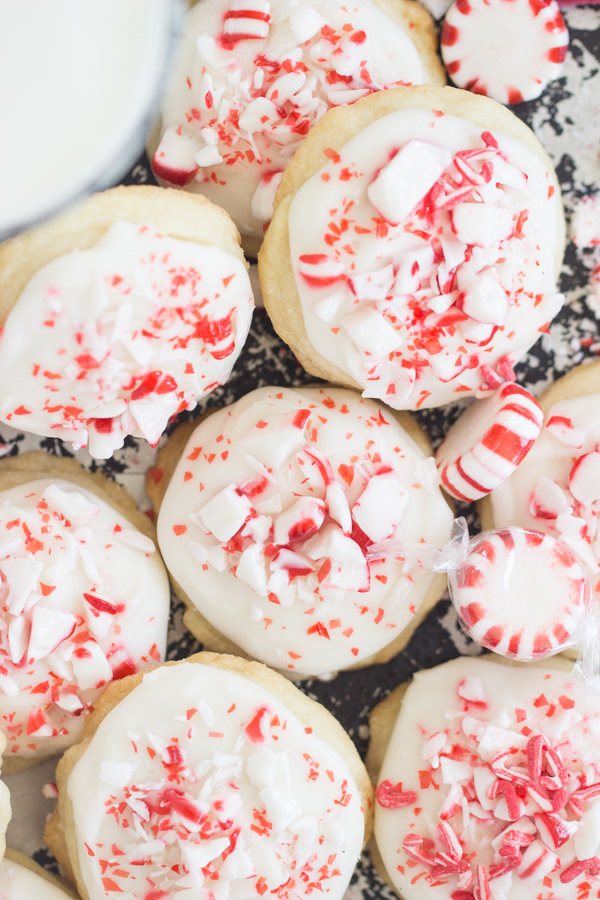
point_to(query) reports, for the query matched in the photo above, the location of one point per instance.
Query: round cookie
(414, 246)
(84, 599)
(253, 77)
(488, 782)
(140, 303)
(311, 511)
(214, 771)
(555, 489)
(21, 878)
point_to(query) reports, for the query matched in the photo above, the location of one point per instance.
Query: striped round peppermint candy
(520, 593)
(505, 49)
(487, 443)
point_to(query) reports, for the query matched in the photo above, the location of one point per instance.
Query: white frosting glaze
(307, 571)
(215, 788)
(421, 310)
(460, 718)
(509, 53)
(84, 598)
(237, 108)
(540, 493)
(127, 333)
(17, 882)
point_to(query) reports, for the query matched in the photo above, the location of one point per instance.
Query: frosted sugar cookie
(253, 77)
(23, 879)
(557, 487)
(84, 599)
(295, 525)
(488, 780)
(414, 247)
(119, 314)
(210, 775)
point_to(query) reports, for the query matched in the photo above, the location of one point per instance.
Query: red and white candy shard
(490, 787)
(520, 593)
(68, 626)
(164, 323)
(508, 51)
(487, 443)
(308, 509)
(201, 783)
(424, 257)
(252, 79)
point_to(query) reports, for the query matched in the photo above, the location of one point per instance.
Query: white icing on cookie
(84, 598)
(490, 785)
(557, 488)
(293, 521)
(17, 882)
(127, 333)
(252, 79)
(508, 52)
(424, 256)
(200, 783)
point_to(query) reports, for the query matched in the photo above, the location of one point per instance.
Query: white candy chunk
(346, 58)
(197, 856)
(258, 115)
(258, 528)
(305, 22)
(327, 308)
(548, 500)
(208, 156)
(564, 431)
(539, 860)
(22, 577)
(403, 182)
(432, 747)
(487, 301)
(284, 87)
(454, 771)
(587, 838)
(441, 302)
(251, 569)
(69, 702)
(584, 478)
(261, 767)
(302, 519)
(17, 638)
(264, 196)
(332, 543)
(337, 506)
(483, 779)
(49, 627)
(225, 513)
(152, 414)
(454, 252)
(8, 686)
(374, 285)
(174, 159)
(288, 561)
(481, 223)
(471, 689)
(93, 669)
(414, 267)
(371, 331)
(71, 504)
(237, 865)
(344, 96)
(509, 175)
(495, 739)
(281, 808)
(380, 506)
(135, 539)
(116, 774)
(349, 576)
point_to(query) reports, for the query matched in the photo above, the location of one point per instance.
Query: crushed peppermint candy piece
(509, 53)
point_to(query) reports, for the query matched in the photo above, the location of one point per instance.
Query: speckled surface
(567, 121)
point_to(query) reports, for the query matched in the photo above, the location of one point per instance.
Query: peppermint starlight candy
(414, 246)
(556, 488)
(211, 776)
(254, 76)
(84, 599)
(488, 782)
(509, 53)
(310, 510)
(22, 879)
(118, 315)
(487, 443)
(520, 593)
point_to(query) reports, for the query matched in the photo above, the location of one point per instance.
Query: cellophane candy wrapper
(522, 594)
